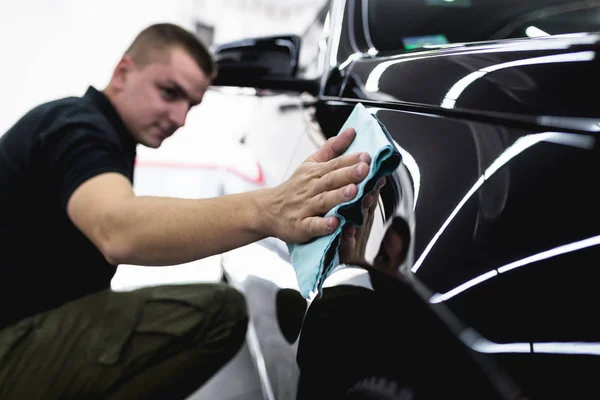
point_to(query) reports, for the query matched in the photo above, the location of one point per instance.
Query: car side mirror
(269, 62)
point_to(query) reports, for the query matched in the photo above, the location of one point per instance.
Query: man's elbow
(116, 251)
(113, 243)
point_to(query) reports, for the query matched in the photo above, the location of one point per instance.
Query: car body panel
(499, 195)
(497, 183)
(516, 78)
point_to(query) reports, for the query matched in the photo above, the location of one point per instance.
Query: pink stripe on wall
(259, 180)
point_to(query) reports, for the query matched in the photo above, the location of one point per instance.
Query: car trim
(523, 121)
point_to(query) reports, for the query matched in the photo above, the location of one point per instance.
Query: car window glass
(412, 24)
(571, 18)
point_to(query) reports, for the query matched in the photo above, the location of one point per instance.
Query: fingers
(347, 160)
(325, 200)
(309, 210)
(343, 178)
(343, 173)
(354, 239)
(369, 204)
(370, 200)
(334, 146)
(348, 232)
(319, 226)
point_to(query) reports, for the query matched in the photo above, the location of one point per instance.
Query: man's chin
(153, 143)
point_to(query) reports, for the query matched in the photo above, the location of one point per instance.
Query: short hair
(158, 38)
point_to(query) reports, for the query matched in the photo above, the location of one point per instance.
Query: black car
(494, 108)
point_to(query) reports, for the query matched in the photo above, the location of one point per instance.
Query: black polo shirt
(45, 260)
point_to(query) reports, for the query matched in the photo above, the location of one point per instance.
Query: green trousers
(153, 343)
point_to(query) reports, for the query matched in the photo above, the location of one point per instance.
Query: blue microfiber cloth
(313, 261)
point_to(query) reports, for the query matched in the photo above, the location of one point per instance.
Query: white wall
(235, 19)
(57, 48)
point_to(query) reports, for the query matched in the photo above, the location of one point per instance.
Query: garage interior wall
(55, 48)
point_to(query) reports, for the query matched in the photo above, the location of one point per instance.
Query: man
(69, 217)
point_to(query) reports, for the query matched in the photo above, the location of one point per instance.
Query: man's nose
(178, 114)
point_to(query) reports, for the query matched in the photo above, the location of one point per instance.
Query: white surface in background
(259, 261)
(52, 49)
(57, 48)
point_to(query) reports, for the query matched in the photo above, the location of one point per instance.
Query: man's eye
(168, 93)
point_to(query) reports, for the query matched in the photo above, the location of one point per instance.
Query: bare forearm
(167, 231)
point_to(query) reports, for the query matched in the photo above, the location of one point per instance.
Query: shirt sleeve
(79, 151)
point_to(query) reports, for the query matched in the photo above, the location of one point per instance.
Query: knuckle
(329, 181)
(331, 165)
(330, 144)
(311, 174)
(322, 200)
(351, 173)
(353, 158)
(300, 229)
(315, 171)
(341, 197)
(311, 228)
(337, 163)
(303, 228)
(314, 226)
(347, 160)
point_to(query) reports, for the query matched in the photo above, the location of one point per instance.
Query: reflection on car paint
(459, 87)
(557, 251)
(517, 148)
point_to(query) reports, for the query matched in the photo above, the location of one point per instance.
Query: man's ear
(121, 72)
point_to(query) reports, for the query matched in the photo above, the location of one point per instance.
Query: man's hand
(354, 240)
(295, 209)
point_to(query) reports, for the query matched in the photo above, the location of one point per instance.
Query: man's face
(153, 100)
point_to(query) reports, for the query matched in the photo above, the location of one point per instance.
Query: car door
(501, 155)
